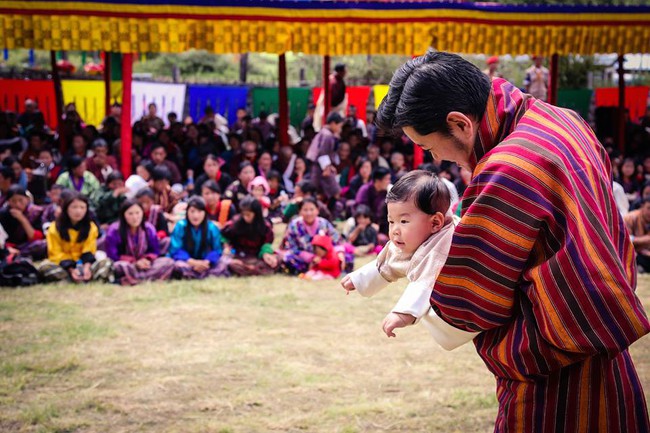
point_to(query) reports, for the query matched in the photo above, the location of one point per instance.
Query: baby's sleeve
(447, 336)
(367, 280)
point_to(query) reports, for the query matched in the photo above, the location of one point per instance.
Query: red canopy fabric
(636, 99)
(13, 94)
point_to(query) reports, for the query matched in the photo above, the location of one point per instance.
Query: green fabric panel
(577, 100)
(116, 66)
(267, 99)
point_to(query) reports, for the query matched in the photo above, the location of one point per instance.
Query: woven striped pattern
(542, 263)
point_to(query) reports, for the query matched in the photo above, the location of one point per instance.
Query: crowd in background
(204, 196)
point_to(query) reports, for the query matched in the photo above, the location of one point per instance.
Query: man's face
(249, 151)
(443, 147)
(152, 110)
(373, 153)
(158, 155)
(336, 127)
(115, 184)
(382, 184)
(45, 158)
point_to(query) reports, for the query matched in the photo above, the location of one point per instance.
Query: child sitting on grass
(420, 231)
(326, 264)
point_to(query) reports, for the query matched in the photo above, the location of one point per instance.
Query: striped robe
(542, 264)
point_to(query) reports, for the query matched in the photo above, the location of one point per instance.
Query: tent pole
(555, 75)
(58, 96)
(107, 82)
(283, 102)
(327, 101)
(621, 104)
(125, 152)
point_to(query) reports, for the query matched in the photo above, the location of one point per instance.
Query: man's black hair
(7, 173)
(161, 172)
(114, 175)
(426, 89)
(379, 173)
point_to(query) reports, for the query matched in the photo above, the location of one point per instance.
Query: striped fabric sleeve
(491, 245)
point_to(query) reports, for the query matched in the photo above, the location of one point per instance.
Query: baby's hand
(396, 320)
(347, 284)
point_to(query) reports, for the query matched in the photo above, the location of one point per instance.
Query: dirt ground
(233, 355)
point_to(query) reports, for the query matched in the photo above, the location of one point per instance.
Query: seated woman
(212, 171)
(196, 244)
(250, 237)
(219, 211)
(72, 246)
(22, 221)
(132, 244)
(77, 178)
(298, 251)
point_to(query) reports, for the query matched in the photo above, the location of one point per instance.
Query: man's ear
(461, 126)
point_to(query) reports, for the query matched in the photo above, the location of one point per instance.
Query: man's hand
(143, 264)
(347, 284)
(396, 320)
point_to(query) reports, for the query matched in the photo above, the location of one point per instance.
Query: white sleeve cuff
(447, 336)
(415, 299)
(367, 280)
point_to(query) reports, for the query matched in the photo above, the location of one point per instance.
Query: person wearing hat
(493, 65)
(323, 156)
(536, 81)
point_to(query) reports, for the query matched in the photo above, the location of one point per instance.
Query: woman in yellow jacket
(72, 246)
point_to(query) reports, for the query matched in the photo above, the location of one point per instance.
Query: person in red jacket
(326, 265)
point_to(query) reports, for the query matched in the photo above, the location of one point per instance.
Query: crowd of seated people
(203, 199)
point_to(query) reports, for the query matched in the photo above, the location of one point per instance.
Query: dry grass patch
(232, 355)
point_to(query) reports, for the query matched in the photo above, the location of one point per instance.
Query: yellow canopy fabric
(379, 91)
(88, 96)
(322, 27)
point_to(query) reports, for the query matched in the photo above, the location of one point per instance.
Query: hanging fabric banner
(88, 97)
(357, 96)
(577, 100)
(167, 97)
(379, 92)
(636, 99)
(267, 99)
(224, 100)
(13, 94)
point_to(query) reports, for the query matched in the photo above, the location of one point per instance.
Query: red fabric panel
(14, 92)
(636, 99)
(357, 96)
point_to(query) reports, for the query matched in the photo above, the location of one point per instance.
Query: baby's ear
(437, 221)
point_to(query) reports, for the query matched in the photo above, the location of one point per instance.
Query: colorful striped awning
(322, 27)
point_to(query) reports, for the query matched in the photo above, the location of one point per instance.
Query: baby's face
(409, 227)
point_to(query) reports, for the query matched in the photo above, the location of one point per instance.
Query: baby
(420, 231)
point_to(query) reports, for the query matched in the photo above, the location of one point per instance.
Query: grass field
(233, 355)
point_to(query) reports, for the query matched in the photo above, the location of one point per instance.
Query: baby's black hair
(428, 192)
